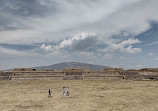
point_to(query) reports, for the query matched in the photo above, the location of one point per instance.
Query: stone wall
(113, 69)
(24, 69)
(131, 75)
(38, 75)
(102, 75)
(79, 75)
(6, 75)
(73, 75)
(149, 74)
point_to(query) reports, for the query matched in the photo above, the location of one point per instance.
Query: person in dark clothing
(49, 93)
(67, 92)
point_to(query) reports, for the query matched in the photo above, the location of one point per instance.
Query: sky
(116, 33)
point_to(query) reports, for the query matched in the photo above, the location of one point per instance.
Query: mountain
(64, 65)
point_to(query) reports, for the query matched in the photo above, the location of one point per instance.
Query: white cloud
(73, 16)
(131, 50)
(46, 47)
(135, 17)
(76, 37)
(124, 46)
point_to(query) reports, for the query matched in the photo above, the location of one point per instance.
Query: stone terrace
(71, 74)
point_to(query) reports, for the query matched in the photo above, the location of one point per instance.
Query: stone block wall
(132, 75)
(78, 75)
(112, 75)
(6, 75)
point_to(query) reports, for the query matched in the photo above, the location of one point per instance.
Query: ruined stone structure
(24, 69)
(79, 74)
(113, 69)
(149, 69)
(6, 75)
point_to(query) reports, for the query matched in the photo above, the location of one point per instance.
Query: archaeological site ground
(85, 95)
(112, 89)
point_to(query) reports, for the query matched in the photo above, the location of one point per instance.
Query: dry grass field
(85, 95)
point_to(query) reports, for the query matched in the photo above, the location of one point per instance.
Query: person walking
(49, 92)
(64, 91)
(67, 92)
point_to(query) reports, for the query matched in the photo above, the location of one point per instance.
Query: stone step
(35, 76)
(103, 77)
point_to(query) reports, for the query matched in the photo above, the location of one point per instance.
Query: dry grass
(85, 95)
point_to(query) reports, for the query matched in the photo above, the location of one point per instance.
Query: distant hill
(64, 65)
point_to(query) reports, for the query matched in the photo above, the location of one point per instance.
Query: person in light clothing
(64, 91)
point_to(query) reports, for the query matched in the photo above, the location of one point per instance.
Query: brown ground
(85, 95)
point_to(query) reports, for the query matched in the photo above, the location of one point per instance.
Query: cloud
(131, 50)
(97, 28)
(59, 17)
(88, 44)
(135, 17)
(77, 37)
(6, 51)
(79, 41)
(10, 52)
(46, 47)
(125, 46)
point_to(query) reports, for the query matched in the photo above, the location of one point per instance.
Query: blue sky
(117, 33)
